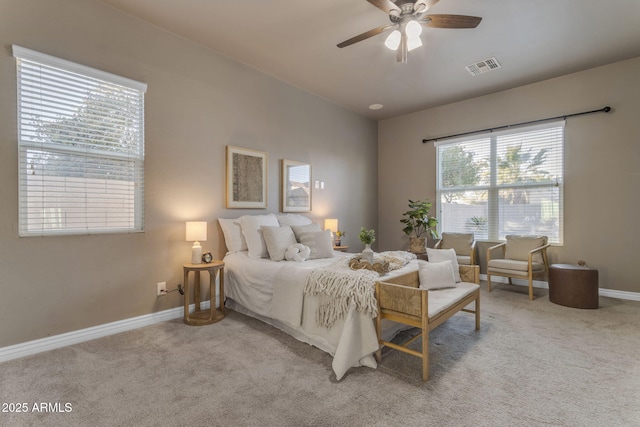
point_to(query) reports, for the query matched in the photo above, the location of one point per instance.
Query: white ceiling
(295, 41)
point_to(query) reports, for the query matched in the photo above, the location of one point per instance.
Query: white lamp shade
(331, 224)
(393, 40)
(196, 231)
(414, 43)
(413, 29)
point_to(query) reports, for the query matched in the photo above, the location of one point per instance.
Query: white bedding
(273, 292)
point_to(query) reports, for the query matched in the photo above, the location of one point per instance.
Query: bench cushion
(442, 299)
(512, 266)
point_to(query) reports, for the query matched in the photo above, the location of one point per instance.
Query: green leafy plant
(340, 233)
(417, 219)
(367, 236)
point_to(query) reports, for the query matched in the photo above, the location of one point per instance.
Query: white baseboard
(611, 293)
(75, 337)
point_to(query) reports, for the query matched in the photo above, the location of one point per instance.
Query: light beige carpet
(531, 364)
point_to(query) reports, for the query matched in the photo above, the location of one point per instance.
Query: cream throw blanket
(337, 285)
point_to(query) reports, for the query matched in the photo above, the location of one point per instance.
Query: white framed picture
(296, 186)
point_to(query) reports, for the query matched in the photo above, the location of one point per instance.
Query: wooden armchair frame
(401, 300)
(530, 273)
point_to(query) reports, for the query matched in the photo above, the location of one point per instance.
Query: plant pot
(417, 245)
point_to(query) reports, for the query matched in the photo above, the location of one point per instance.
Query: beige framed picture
(246, 178)
(296, 186)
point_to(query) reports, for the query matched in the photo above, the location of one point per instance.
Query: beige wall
(602, 162)
(197, 103)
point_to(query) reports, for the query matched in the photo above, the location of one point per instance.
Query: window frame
(103, 160)
(493, 188)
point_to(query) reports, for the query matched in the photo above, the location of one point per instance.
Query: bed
(323, 300)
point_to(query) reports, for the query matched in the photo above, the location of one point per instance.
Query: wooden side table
(204, 317)
(341, 248)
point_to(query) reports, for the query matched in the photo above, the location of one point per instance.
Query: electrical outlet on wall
(162, 288)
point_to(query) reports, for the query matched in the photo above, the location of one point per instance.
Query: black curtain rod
(602, 110)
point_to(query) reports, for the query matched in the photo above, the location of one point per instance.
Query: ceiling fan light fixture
(414, 43)
(393, 40)
(413, 30)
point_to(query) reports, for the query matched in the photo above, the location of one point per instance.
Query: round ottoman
(573, 285)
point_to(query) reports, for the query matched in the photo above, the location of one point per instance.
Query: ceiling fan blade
(364, 36)
(385, 5)
(422, 6)
(451, 21)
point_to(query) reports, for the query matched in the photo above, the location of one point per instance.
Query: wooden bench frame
(401, 300)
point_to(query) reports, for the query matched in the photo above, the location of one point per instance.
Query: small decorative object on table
(338, 239)
(367, 237)
(207, 257)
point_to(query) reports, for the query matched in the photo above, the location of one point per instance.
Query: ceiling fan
(407, 18)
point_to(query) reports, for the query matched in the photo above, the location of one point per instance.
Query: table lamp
(196, 232)
(331, 224)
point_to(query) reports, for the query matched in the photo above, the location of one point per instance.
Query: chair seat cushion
(510, 266)
(442, 299)
(463, 260)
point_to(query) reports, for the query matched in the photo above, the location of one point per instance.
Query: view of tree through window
(503, 183)
(81, 144)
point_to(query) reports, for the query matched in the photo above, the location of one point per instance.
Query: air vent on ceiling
(483, 66)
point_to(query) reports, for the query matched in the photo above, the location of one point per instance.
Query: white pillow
(298, 230)
(251, 231)
(233, 237)
(436, 275)
(278, 239)
(293, 219)
(319, 242)
(439, 255)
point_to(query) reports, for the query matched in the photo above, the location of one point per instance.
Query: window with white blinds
(81, 148)
(500, 183)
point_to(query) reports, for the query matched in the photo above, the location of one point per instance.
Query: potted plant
(339, 235)
(417, 221)
(367, 237)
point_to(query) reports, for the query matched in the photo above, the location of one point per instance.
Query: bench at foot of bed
(401, 300)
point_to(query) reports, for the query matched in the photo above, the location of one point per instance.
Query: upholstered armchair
(463, 243)
(524, 257)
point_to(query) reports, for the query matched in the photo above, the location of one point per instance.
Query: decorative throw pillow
(298, 230)
(278, 239)
(440, 255)
(319, 242)
(293, 219)
(297, 252)
(436, 275)
(251, 231)
(233, 238)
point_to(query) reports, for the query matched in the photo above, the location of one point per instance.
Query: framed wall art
(246, 178)
(296, 186)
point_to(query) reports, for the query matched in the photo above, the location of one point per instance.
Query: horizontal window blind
(81, 148)
(500, 183)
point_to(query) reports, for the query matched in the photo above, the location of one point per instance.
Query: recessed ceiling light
(375, 106)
